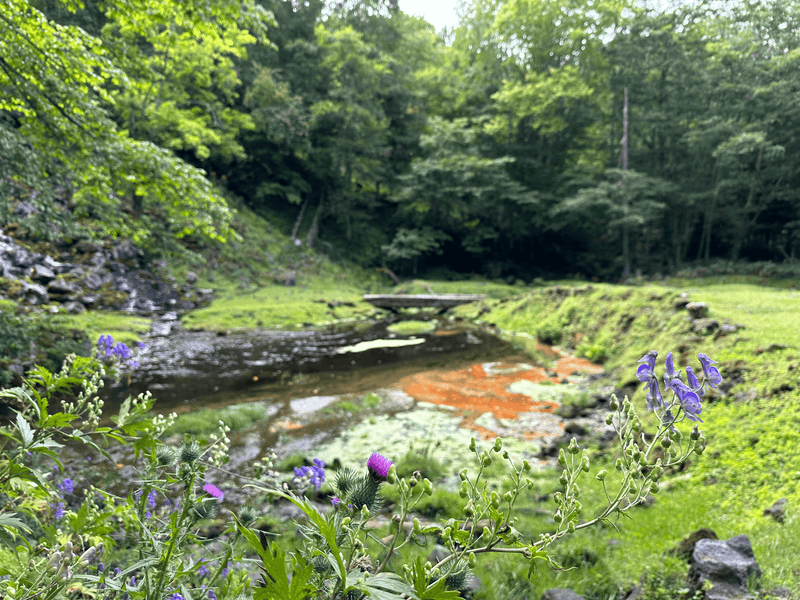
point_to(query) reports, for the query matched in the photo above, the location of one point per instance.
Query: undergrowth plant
(61, 547)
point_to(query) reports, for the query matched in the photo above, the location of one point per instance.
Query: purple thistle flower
(214, 491)
(646, 374)
(67, 485)
(693, 383)
(712, 376)
(379, 466)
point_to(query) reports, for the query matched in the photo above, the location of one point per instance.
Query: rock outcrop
(112, 276)
(727, 565)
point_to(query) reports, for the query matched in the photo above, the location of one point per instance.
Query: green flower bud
(472, 560)
(571, 527)
(562, 458)
(487, 533)
(472, 445)
(495, 500)
(464, 490)
(700, 448)
(346, 521)
(446, 534)
(391, 476)
(417, 528)
(666, 442)
(564, 479)
(637, 426)
(614, 403)
(654, 488)
(427, 487)
(558, 497)
(463, 474)
(526, 465)
(695, 434)
(601, 475)
(505, 454)
(508, 496)
(573, 447)
(585, 464)
(413, 482)
(619, 465)
(557, 517)
(498, 445)
(609, 418)
(469, 509)
(365, 512)
(675, 435)
(428, 565)
(576, 490)
(486, 460)
(656, 473)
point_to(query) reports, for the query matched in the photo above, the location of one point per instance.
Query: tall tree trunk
(299, 220)
(312, 233)
(626, 242)
(743, 226)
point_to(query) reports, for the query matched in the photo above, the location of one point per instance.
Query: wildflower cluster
(113, 354)
(686, 397)
(221, 444)
(310, 475)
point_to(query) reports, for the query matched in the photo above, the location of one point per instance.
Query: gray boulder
(34, 293)
(22, 258)
(697, 310)
(42, 274)
(561, 594)
(59, 287)
(726, 565)
(74, 308)
(191, 277)
(777, 511)
(93, 281)
(125, 251)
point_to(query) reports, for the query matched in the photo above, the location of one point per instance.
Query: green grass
(206, 420)
(122, 327)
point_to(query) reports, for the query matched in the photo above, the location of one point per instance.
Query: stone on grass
(74, 308)
(685, 547)
(777, 511)
(726, 566)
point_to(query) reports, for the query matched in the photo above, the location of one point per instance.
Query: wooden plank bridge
(439, 301)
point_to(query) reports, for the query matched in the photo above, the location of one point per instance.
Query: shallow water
(190, 370)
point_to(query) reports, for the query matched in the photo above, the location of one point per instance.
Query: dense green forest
(495, 148)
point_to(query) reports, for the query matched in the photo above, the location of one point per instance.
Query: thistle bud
(573, 446)
(498, 445)
(191, 452)
(601, 475)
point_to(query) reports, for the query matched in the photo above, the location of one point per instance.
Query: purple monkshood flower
(214, 491)
(58, 510)
(151, 499)
(226, 570)
(67, 485)
(671, 376)
(712, 376)
(176, 596)
(202, 571)
(693, 383)
(140, 343)
(336, 502)
(690, 401)
(212, 595)
(315, 473)
(379, 466)
(646, 374)
(117, 571)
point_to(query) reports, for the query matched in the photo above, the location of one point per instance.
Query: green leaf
(10, 522)
(25, 431)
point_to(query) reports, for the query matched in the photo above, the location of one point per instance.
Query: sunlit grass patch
(206, 420)
(121, 326)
